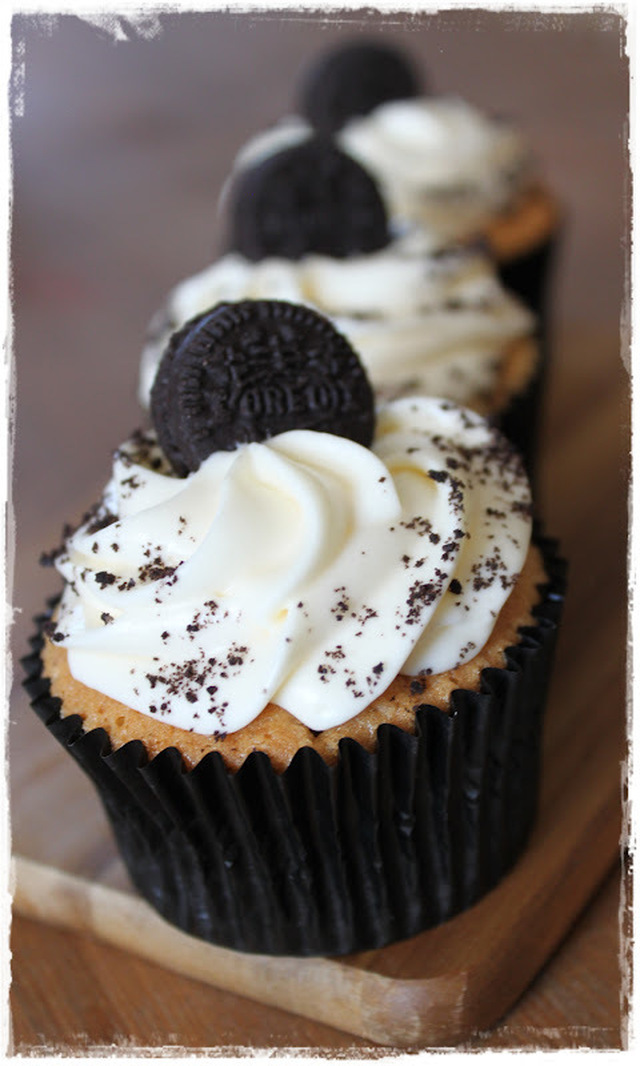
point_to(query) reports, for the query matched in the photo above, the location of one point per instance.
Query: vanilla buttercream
(306, 571)
(436, 323)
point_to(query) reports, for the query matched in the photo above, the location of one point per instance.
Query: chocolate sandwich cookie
(309, 198)
(353, 80)
(247, 371)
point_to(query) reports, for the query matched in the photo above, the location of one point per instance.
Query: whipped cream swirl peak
(440, 162)
(307, 571)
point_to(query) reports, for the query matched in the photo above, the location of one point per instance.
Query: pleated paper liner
(520, 419)
(529, 276)
(332, 860)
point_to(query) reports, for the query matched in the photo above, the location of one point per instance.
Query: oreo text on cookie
(248, 371)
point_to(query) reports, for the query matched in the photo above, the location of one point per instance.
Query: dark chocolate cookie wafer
(162, 400)
(352, 81)
(308, 198)
(247, 371)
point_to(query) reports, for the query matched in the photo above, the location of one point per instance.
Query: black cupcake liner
(332, 860)
(520, 419)
(529, 275)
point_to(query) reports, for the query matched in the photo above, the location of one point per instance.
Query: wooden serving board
(432, 990)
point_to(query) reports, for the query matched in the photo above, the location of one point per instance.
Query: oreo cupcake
(441, 163)
(308, 225)
(302, 650)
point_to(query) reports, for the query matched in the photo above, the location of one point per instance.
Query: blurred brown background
(122, 134)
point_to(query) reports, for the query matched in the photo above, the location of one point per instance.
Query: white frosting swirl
(439, 162)
(306, 571)
(437, 324)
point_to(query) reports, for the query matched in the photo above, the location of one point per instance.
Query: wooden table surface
(122, 136)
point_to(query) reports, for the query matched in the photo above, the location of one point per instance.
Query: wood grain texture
(137, 138)
(109, 998)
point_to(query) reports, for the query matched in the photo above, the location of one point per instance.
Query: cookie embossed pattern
(251, 370)
(267, 663)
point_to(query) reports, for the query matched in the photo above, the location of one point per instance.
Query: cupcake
(441, 163)
(423, 320)
(302, 648)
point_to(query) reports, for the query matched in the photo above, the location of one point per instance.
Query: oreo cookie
(352, 81)
(308, 198)
(247, 371)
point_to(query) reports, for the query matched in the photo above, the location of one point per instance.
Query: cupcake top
(440, 162)
(308, 224)
(304, 568)
(431, 323)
